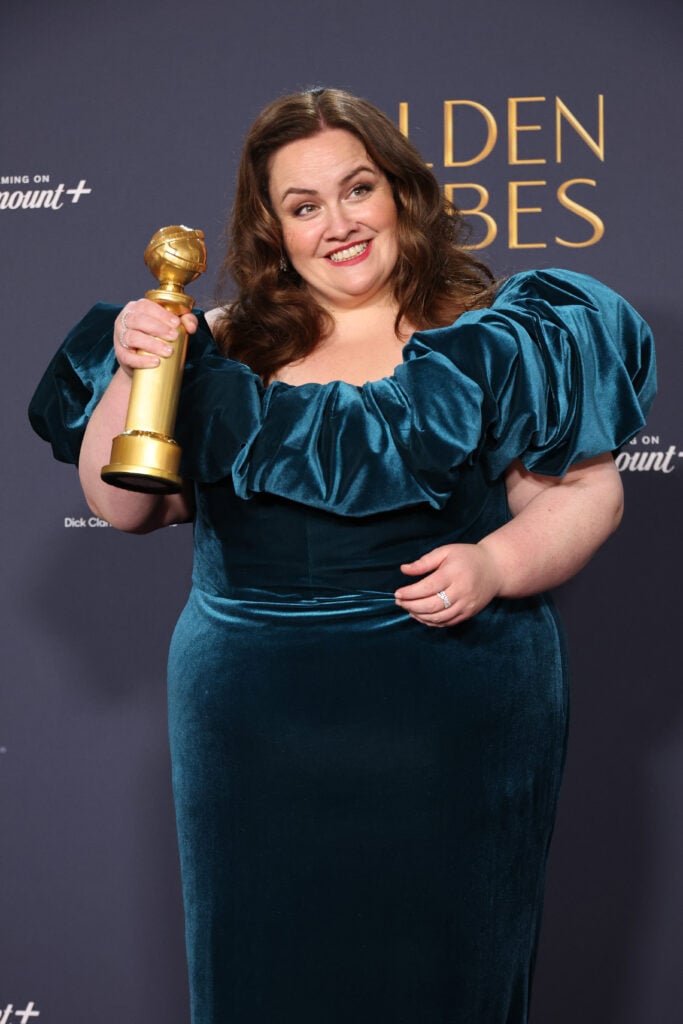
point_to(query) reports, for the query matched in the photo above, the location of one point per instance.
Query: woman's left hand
(466, 575)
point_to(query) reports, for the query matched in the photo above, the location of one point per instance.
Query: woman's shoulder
(216, 316)
(555, 286)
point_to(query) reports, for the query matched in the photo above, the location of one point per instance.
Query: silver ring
(124, 330)
(444, 597)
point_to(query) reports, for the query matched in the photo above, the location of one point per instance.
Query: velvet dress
(364, 803)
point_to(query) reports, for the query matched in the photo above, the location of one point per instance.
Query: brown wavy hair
(275, 320)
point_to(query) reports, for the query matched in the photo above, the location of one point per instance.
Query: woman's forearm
(126, 510)
(558, 525)
(558, 530)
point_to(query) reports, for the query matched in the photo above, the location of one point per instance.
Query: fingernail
(168, 351)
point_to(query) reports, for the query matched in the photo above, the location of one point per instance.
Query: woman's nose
(340, 224)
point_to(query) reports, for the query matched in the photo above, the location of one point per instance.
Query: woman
(365, 802)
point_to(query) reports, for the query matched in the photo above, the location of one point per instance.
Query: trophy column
(145, 457)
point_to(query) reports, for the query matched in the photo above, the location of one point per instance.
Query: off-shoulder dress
(364, 804)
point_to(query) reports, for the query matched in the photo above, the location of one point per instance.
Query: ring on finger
(444, 597)
(124, 330)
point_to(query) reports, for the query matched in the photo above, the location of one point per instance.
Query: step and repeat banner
(558, 128)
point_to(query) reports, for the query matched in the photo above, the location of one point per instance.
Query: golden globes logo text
(556, 155)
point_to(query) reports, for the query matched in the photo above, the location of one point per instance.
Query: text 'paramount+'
(53, 198)
(8, 1015)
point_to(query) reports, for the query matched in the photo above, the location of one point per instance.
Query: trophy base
(144, 462)
(141, 479)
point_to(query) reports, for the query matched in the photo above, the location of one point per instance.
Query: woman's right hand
(142, 331)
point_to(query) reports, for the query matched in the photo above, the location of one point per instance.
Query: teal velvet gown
(364, 803)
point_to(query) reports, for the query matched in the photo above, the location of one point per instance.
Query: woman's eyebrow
(295, 189)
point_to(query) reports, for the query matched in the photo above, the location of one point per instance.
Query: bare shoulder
(214, 315)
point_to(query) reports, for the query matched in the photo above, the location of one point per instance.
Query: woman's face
(338, 218)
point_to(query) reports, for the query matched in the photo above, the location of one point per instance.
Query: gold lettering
(403, 119)
(514, 128)
(581, 211)
(491, 137)
(514, 210)
(475, 211)
(563, 111)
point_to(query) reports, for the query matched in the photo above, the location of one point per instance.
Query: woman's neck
(362, 346)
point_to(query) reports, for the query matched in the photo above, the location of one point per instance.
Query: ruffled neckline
(558, 369)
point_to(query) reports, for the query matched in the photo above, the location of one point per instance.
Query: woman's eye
(302, 210)
(361, 190)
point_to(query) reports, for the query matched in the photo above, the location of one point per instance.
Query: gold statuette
(145, 457)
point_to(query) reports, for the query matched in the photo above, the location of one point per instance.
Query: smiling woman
(338, 217)
(339, 229)
(367, 687)
(279, 317)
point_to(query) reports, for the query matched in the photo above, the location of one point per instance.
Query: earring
(284, 265)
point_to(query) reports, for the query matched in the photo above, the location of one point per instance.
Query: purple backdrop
(563, 124)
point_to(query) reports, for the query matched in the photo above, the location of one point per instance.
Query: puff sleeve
(559, 369)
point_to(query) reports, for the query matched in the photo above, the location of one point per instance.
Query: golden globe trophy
(145, 457)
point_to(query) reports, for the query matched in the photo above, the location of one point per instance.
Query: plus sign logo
(12, 1016)
(40, 195)
(79, 191)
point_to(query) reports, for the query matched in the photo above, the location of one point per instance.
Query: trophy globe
(145, 457)
(176, 255)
